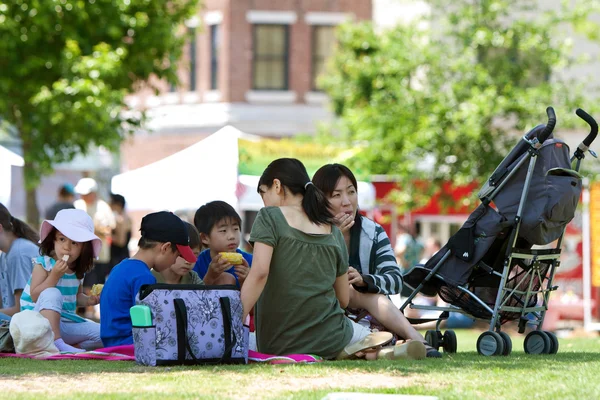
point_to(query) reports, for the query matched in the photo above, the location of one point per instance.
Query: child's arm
(42, 279)
(216, 267)
(257, 278)
(10, 311)
(84, 301)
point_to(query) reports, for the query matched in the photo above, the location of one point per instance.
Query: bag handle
(182, 325)
(227, 323)
(183, 343)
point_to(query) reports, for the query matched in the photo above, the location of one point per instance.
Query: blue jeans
(4, 317)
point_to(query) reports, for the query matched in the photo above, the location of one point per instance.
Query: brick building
(252, 64)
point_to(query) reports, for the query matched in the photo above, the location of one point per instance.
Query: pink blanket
(256, 357)
(116, 353)
(125, 353)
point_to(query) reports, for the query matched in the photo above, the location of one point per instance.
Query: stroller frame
(493, 341)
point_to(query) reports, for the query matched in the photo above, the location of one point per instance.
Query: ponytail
(19, 228)
(316, 205)
(293, 176)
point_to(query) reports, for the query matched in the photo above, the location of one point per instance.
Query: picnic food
(65, 258)
(233, 258)
(96, 289)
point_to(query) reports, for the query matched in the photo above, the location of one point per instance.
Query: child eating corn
(220, 264)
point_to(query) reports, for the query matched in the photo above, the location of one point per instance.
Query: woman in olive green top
(299, 275)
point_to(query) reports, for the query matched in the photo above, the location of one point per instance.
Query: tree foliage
(66, 66)
(440, 104)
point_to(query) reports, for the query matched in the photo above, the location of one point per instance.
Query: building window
(322, 46)
(214, 56)
(192, 32)
(271, 45)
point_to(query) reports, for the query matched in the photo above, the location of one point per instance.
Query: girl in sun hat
(68, 247)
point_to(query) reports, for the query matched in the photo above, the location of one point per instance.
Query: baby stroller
(489, 269)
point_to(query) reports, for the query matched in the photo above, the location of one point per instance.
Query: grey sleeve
(20, 267)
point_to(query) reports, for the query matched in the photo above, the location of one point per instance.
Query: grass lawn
(573, 373)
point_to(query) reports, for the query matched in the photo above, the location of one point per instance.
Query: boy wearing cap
(164, 238)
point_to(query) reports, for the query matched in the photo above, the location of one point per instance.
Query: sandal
(409, 350)
(370, 342)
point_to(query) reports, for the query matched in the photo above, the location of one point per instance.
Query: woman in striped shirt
(68, 248)
(373, 272)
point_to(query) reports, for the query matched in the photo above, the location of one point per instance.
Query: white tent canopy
(203, 172)
(7, 160)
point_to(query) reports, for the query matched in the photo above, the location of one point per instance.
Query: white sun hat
(32, 334)
(74, 224)
(86, 186)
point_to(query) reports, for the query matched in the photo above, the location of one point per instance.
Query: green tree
(66, 66)
(440, 104)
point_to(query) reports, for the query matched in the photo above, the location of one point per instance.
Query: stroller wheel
(537, 342)
(507, 343)
(553, 342)
(449, 340)
(490, 344)
(433, 338)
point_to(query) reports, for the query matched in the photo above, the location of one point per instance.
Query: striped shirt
(68, 285)
(372, 255)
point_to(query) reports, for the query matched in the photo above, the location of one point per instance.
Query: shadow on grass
(18, 368)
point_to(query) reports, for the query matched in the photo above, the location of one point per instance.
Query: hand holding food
(96, 289)
(232, 258)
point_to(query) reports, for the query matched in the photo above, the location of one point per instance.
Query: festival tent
(203, 172)
(227, 163)
(8, 159)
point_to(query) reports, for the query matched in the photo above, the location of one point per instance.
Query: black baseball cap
(165, 227)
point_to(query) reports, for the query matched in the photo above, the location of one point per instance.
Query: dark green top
(298, 312)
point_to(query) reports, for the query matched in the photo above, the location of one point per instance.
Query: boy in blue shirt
(164, 238)
(220, 231)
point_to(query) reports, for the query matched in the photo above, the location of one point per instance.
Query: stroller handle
(549, 126)
(593, 126)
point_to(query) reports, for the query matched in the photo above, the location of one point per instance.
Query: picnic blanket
(125, 353)
(116, 353)
(256, 357)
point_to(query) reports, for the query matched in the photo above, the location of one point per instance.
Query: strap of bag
(227, 323)
(183, 343)
(182, 324)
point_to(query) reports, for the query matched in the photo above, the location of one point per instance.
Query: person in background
(408, 249)
(181, 272)
(121, 235)
(104, 223)
(18, 246)
(66, 198)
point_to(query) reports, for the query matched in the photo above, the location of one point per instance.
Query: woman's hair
(327, 177)
(19, 228)
(83, 264)
(293, 177)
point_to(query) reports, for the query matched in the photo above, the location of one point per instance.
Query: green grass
(573, 373)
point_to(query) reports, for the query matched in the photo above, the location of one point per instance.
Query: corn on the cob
(232, 258)
(96, 289)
